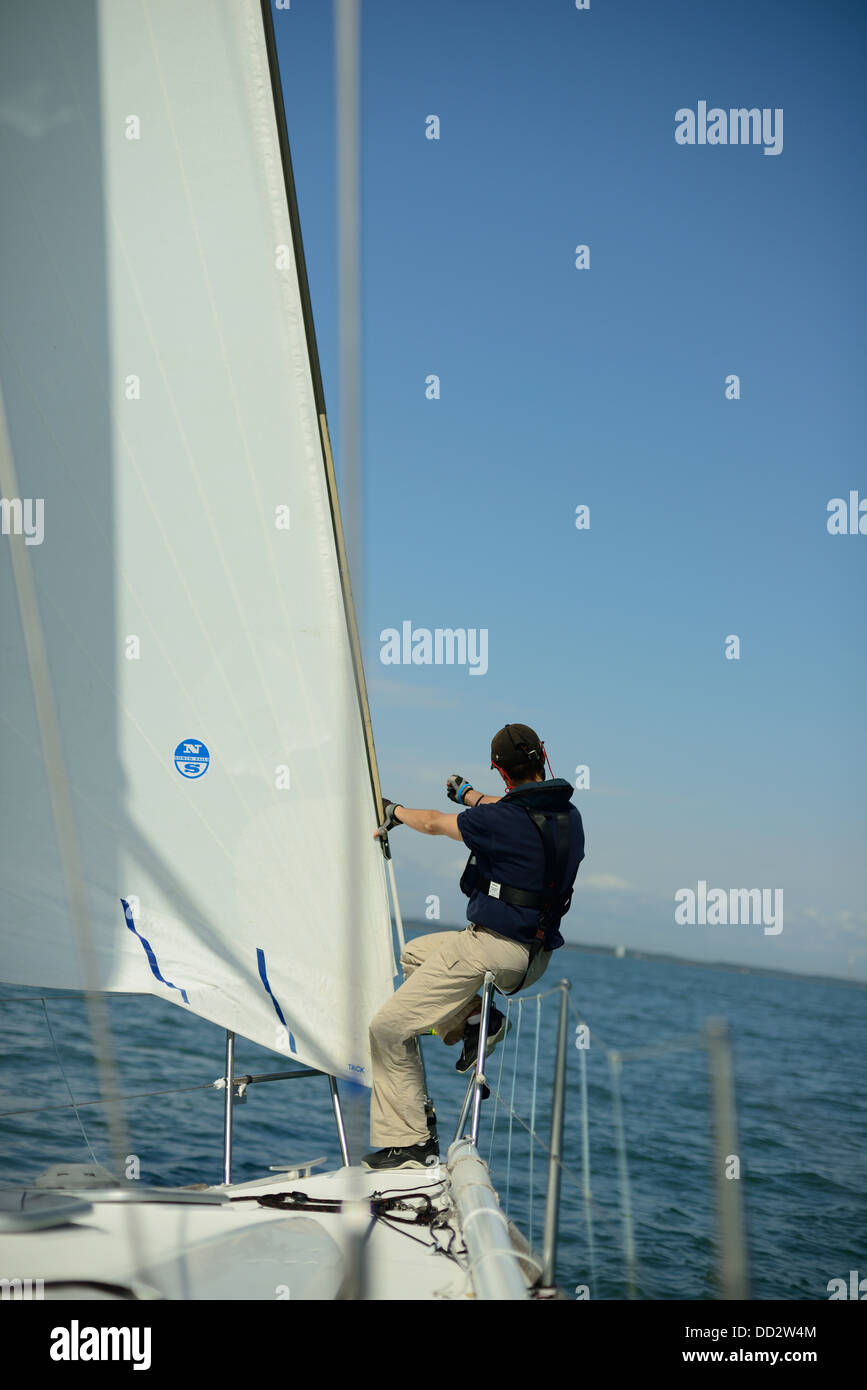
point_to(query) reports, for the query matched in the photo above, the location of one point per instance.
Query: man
(526, 847)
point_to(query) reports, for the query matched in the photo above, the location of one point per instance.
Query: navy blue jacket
(508, 848)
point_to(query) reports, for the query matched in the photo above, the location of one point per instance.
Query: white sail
(165, 424)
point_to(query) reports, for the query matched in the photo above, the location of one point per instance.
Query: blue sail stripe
(263, 976)
(152, 960)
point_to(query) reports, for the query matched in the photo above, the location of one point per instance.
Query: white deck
(239, 1250)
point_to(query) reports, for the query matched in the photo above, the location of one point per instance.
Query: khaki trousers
(443, 972)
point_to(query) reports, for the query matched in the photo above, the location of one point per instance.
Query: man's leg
(414, 954)
(508, 960)
(452, 1029)
(417, 951)
(444, 983)
(435, 986)
(400, 1060)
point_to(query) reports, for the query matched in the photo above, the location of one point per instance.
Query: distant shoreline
(632, 953)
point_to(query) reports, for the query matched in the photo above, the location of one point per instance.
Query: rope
(383, 1208)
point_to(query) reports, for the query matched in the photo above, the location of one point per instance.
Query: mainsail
(167, 440)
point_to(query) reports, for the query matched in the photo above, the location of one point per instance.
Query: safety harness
(553, 902)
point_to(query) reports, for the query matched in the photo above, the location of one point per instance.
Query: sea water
(798, 1050)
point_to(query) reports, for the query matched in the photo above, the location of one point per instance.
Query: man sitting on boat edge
(525, 849)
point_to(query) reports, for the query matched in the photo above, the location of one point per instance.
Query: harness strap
(516, 897)
(556, 860)
(533, 949)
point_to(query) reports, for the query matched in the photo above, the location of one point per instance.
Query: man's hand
(390, 818)
(457, 788)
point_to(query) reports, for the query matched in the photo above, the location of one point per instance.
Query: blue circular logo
(192, 758)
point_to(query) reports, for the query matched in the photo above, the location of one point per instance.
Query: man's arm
(428, 822)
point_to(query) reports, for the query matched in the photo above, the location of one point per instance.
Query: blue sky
(605, 387)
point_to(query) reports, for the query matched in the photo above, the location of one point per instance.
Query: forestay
(165, 427)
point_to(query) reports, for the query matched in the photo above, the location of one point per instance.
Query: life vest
(555, 899)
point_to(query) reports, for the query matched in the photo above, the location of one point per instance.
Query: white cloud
(853, 923)
(394, 693)
(606, 883)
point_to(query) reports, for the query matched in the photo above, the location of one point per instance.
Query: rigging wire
(564, 1167)
(105, 1100)
(533, 1107)
(38, 998)
(66, 1082)
(615, 1058)
(615, 1062)
(585, 1166)
(511, 1106)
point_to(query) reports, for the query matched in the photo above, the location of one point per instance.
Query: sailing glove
(390, 818)
(457, 788)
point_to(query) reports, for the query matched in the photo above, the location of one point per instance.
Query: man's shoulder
(479, 822)
(486, 809)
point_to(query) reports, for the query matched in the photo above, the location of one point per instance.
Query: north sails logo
(192, 759)
(737, 126)
(77, 1343)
